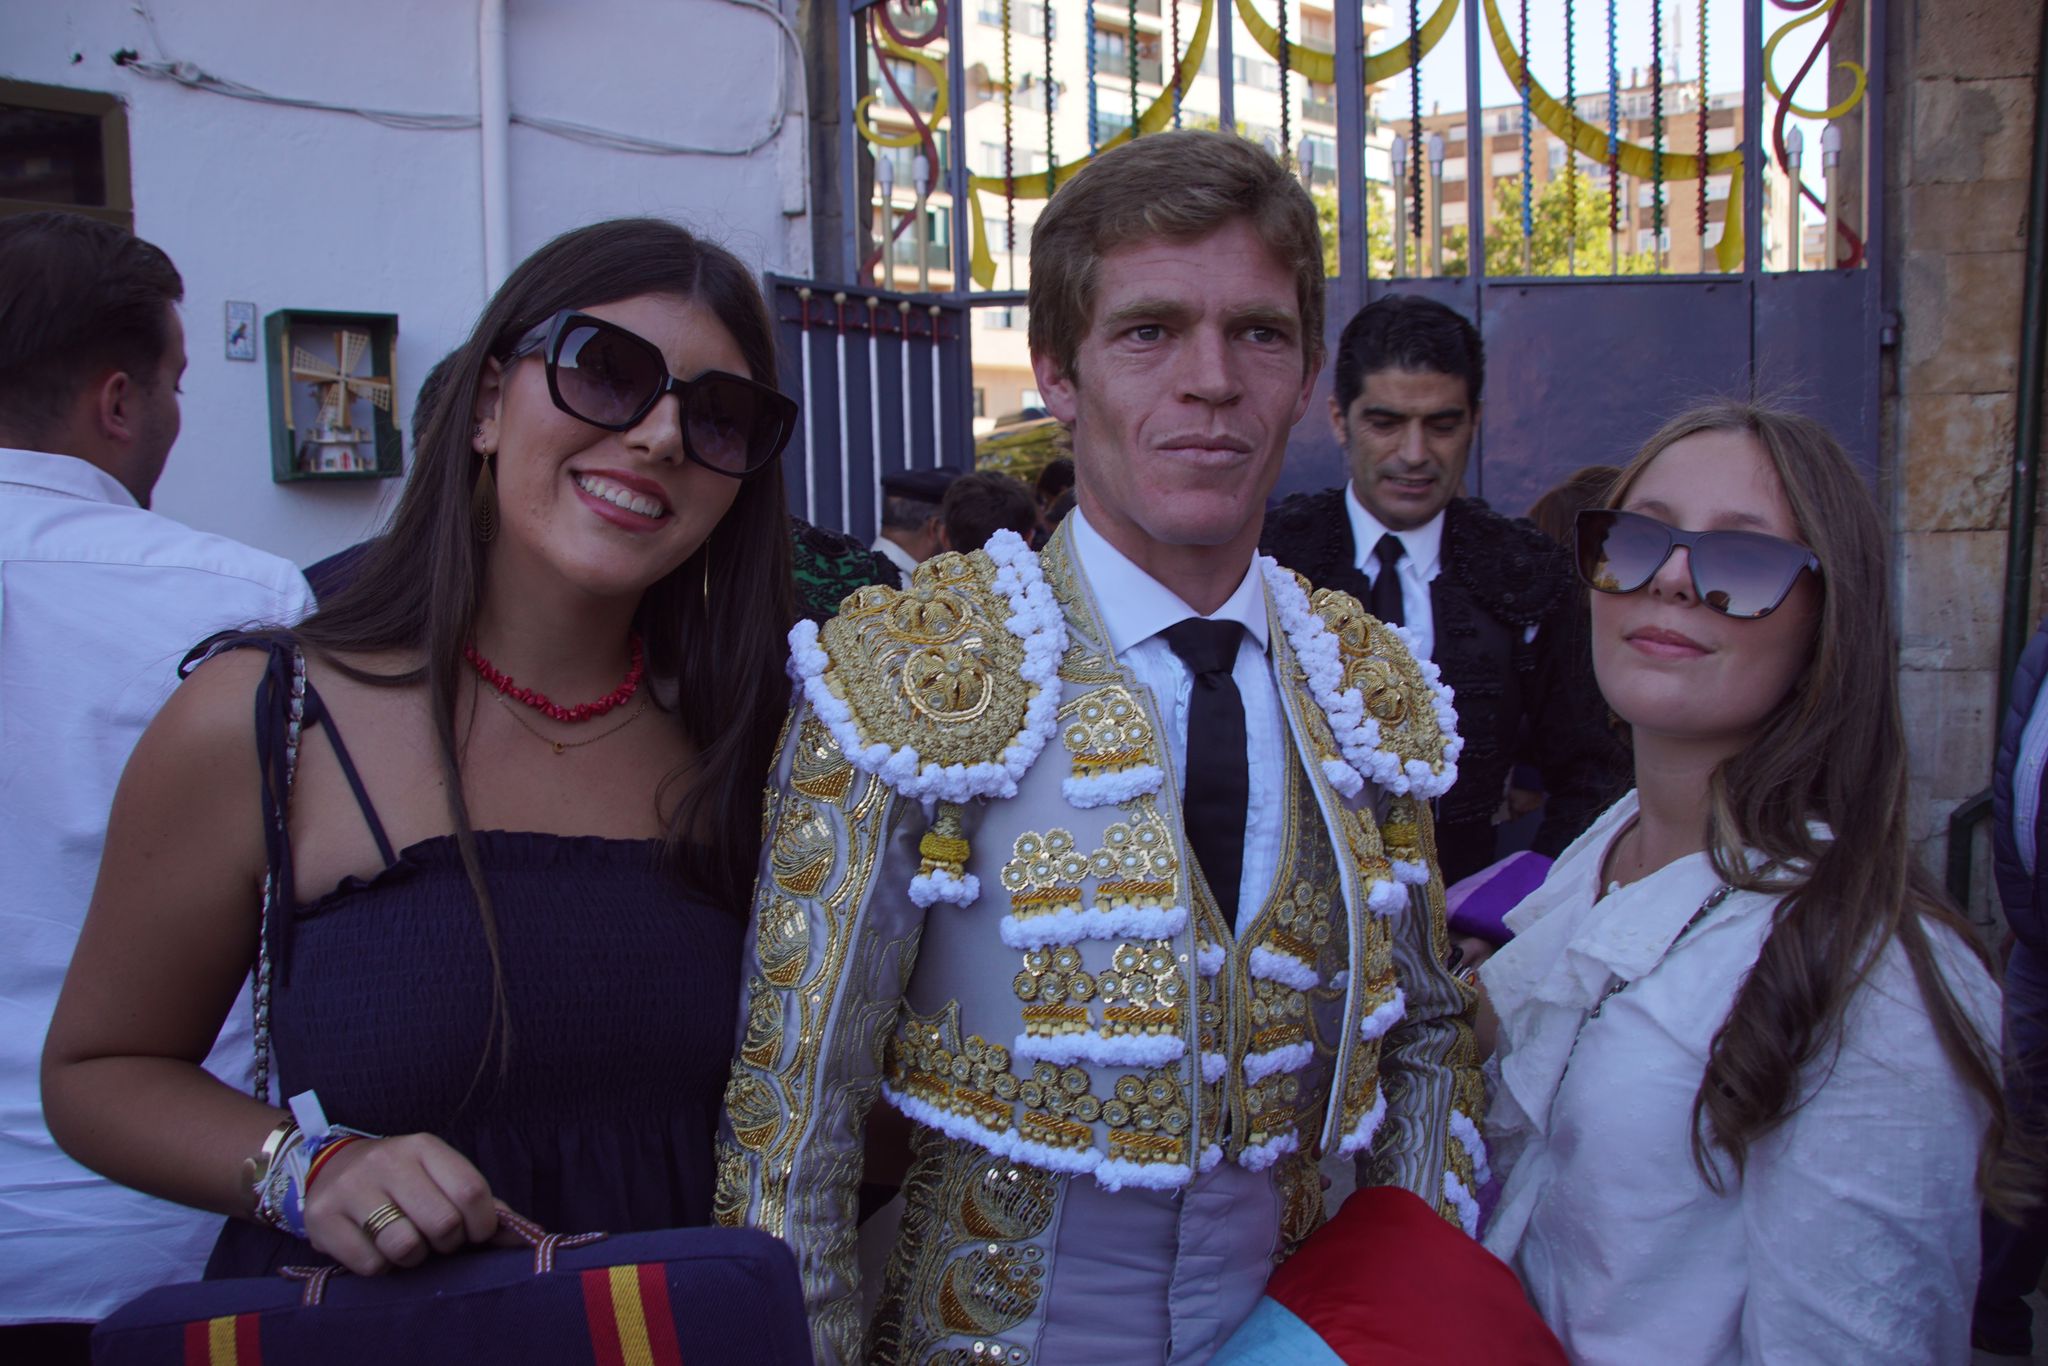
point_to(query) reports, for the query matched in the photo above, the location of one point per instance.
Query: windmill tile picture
(332, 405)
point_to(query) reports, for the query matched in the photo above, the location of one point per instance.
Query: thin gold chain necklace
(560, 745)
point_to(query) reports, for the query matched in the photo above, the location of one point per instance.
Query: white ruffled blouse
(1853, 1236)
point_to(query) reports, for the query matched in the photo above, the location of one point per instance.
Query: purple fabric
(622, 992)
(733, 1294)
(1477, 905)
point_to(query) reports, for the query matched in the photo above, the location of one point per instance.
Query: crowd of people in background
(1550, 870)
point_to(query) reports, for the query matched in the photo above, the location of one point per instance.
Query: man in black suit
(1492, 600)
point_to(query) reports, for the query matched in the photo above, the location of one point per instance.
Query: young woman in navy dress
(518, 762)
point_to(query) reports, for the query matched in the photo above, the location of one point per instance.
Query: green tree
(1564, 239)
(1379, 233)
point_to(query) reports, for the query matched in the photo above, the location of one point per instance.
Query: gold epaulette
(1403, 693)
(931, 668)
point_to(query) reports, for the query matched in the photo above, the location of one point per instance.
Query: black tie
(1219, 781)
(1386, 589)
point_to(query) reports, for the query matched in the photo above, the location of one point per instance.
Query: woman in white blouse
(1745, 1099)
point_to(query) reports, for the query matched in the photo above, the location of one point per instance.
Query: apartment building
(1058, 112)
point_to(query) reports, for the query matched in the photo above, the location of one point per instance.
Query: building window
(981, 402)
(1259, 75)
(64, 149)
(1034, 93)
(1025, 19)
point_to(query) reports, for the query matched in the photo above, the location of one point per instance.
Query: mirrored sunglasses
(600, 373)
(1742, 574)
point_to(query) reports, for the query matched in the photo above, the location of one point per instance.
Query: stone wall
(1960, 112)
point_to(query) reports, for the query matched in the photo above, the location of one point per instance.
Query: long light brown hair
(1833, 751)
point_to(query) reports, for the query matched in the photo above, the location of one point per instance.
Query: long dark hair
(715, 625)
(1833, 751)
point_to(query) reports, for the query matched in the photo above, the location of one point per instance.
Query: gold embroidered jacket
(977, 901)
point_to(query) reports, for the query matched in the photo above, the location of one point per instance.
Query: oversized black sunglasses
(1737, 573)
(602, 374)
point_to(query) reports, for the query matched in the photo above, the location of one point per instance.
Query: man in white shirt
(1492, 601)
(99, 601)
(1090, 861)
(911, 520)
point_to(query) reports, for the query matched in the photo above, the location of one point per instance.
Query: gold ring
(381, 1218)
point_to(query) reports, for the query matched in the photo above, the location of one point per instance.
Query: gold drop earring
(483, 502)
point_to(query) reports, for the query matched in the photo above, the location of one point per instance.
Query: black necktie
(1386, 589)
(1219, 781)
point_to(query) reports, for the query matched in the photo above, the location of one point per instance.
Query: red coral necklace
(546, 706)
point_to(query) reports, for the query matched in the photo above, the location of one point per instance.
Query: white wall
(301, 209)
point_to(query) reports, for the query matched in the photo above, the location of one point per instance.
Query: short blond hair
(1178, 186)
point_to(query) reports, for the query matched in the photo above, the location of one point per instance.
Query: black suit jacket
(1518, 700)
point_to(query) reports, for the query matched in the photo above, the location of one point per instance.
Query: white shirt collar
(1135, 606)
(1424, 544)
(896, 555)
(65, 476)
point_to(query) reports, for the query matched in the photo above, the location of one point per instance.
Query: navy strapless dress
(590, 1101)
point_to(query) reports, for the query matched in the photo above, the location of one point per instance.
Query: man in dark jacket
(1492, 601)
(2015, 1254)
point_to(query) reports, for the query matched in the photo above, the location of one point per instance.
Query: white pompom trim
(1362, 1133)
(1107, 1050)
(1069, 926)
(1209, 959)
(1410, 872)
(1284, 968)
(1213, 1066)
(1384, 1016)
(1287, 1058)
(1258, 1156)
(1071, 1161)
(1467, 1134)
(1110, 1175)
(1386, 897)
(1112, 789)
(929, 888)
(1114, 1173)
(1462, 1201)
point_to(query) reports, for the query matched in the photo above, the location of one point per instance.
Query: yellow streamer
(1850, 101)
(1634, 158)
(912, 137)
(1156, 118)
(1321, 67)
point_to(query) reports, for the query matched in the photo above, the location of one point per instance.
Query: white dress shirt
(1422, 551)
(99, 600)
(1853, 1234)
(1135, 608)
(895, 554)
